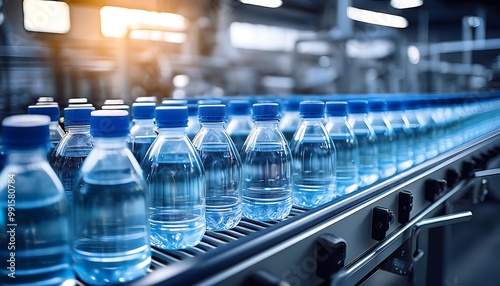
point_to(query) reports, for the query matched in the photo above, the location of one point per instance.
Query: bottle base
(262, 210)
(305, 197)
(177, 234)
(104, 270)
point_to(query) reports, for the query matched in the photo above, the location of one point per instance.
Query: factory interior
(274, 51)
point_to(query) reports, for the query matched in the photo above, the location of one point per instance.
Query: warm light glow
(264, 3)
(46, 16)
(170, 37)
(180, 80)
(405, 4)
(376, 18)
(115, 21)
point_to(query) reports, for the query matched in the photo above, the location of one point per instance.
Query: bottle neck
(312, 120)
(266, 123)
(213, 125)
(24, 156)
(172, 132)
(144, 122)
(110, 142)
(337, 118)
(78, 129)
(358, 116)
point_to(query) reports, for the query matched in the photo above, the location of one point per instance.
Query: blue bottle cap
(239, 107)
(209, 101)
(26, 131)
(171, 116)
(51, 111)
(80, 105)
(312, 109)
(377, 106)
(116, 107)
(212, 113)
(146, 99)
(174, 102)
(193, 109)
(109, 123)
(114, 102)
(143, 110)
(265, 111)
(77, 100)
(336, 108)
(77, 116)
(395, 105)
(358, 106)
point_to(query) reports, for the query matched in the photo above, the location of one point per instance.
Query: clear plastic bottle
(412, 108)
(367, 142)
(267, 167)
(222, 165)
(346, 145)
(314, 159)
(430, 130)
(72, 150)
(56, 132)
(143, 132)
(193, 123)
(386, 139)
(110, 228)
(403, 133)
(176, 183)
(240, 121)
(34, 211)
(291, 119)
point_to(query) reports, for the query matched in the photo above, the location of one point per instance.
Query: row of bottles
(128, 188)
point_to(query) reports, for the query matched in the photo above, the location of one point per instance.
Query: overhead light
(46, 16)
(405, 4)
(115, 21)
(262, 37)
(264, 3)
(413, 55)
(374, 49)
(376, 18)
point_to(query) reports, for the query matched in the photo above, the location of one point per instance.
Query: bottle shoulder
(143, 130)
(32, 181)
(75, 144)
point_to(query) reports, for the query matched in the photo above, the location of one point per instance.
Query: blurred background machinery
(124, 49)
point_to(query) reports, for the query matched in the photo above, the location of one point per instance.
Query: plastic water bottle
(267, 167)
(314, 159)
(56, 132)
(430, 138)
(222, 165)
(346, 145)
(367, 142)
(240, 121)
(111, 238)
(291, 119)
(143, 132)
(412, 108)
(34, 219)
(403, 132)
(386, 139)
(176, 183)
(72, 150)
(193, 123)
